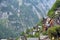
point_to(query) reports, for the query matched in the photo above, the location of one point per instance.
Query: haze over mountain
(18, 15)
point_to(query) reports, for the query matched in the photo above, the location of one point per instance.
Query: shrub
(22, 33)
(54, 32)
(45, 33)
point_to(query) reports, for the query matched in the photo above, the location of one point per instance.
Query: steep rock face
(22, 14)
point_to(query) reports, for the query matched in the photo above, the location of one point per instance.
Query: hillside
(54, 7)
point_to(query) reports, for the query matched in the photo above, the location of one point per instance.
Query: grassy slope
(52, 10)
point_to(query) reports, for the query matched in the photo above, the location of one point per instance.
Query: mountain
(17, 15)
